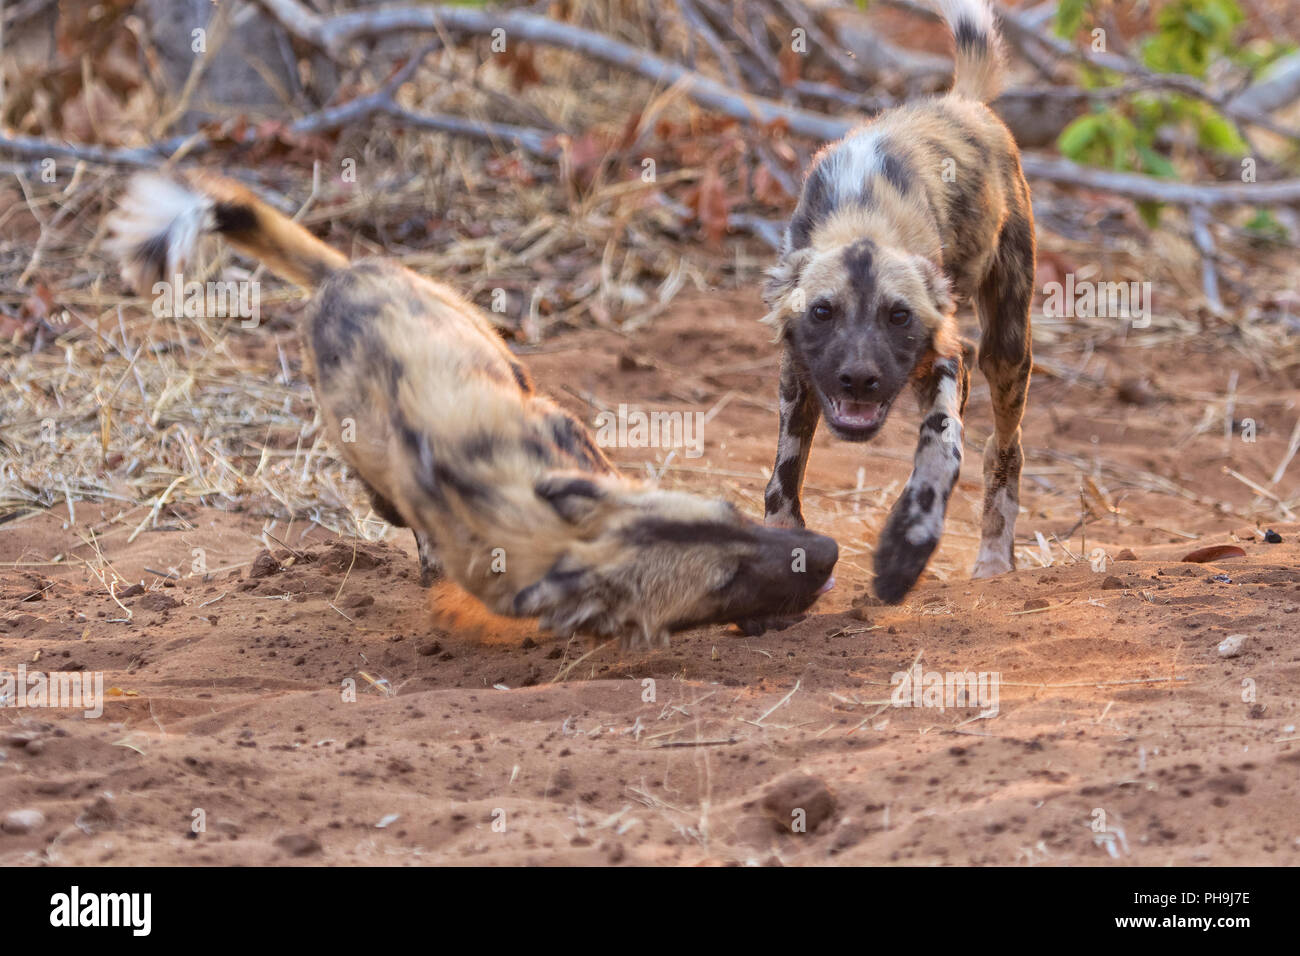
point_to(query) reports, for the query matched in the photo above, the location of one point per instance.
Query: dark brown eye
(900, 316)
(822, 312)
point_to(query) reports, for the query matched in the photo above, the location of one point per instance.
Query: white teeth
(855, 414)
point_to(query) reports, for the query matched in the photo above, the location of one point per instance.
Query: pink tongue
(858, 413)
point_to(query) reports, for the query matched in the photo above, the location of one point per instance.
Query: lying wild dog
(920, 209)
(526, 513)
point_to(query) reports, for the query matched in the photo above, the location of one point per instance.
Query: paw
(989, 567)
(754, 626)
(633, 638)
(901, 555)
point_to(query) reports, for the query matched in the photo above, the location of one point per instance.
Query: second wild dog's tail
(979, 48)
(159, 221)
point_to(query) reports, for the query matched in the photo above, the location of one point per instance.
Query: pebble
(18, 822)
(264, 565)
(799, 792)
(298, 844)
(1231, 645)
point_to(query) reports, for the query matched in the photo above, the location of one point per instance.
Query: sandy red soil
(1122, 736)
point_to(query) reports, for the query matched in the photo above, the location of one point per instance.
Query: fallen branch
(1146, 188)
(380, 103)
(334, 34)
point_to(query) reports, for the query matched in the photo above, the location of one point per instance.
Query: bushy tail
(979, 48)
(159, 221)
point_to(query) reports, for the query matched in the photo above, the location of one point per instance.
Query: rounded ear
(574, 498)
(782, 281)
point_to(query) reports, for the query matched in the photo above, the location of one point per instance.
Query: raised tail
(156, 229)
(979, 48)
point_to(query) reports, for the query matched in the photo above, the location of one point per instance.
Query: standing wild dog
(451, 440)
(922, 208)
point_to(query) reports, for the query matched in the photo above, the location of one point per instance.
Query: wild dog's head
(858, 316)
(643, 563)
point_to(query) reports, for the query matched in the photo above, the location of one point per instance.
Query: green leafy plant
(1125, 134)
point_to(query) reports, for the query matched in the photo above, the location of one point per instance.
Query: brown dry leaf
(711, 205)
(767, 189)
(585, 154)
(510, 169)
(39, 303)
(1215, 552)
(518, 59)
(790, 64)
(94, 116)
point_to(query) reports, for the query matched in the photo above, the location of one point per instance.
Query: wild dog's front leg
(430, 566)
(799, 414)
(916, 522)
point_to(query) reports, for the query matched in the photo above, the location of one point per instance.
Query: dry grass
(100, 400)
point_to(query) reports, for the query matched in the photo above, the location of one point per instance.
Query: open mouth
(858, 419)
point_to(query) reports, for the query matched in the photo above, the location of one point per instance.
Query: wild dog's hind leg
(799, 415)
(1005, 359)
(430, 566)
(916, 521)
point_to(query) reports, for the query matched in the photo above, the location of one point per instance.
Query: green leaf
(1069, 17)
(1150, 212)
(1079, 135)
(1155, 164)
(1218, 133)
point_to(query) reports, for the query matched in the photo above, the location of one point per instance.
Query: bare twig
(1204, 241)
(1023, 32)
(1137, 186)
(334, 34)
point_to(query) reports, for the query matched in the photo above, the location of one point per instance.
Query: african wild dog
(527, 514)
(922, 208)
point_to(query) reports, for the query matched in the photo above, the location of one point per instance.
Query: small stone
(1136, 391)
(1036, 604)
(1112, 583)
(799, 803)
(18, 822)
(1272, 537)
(264, 565)
(157, 602)
(1232, 645)
(98, 815)
(1126, 555)
(298, 844)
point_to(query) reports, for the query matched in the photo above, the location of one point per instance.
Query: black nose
(859, 381)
